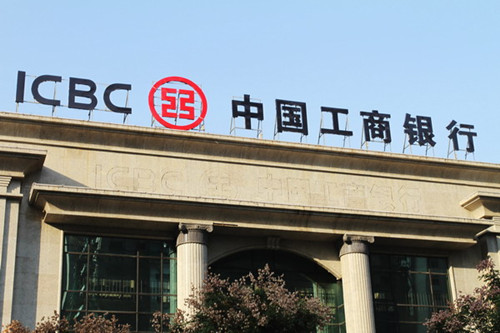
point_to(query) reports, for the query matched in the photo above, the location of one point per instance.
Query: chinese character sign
(376, 125)
(455, 131)
(335, 122)
(419, 130)
(248, 110)
(291, 116)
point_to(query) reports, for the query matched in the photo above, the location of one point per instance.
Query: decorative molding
(494, 229)
(483, 204)
(356, 244)
(26, 129)
(160, 215)
(18, 162)
(193, 233)
(4, 183)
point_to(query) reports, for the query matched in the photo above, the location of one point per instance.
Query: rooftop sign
(178, 103)
(81, 93)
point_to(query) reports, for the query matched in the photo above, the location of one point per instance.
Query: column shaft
(191, 269)
(192, 260)
(9, 219)
(356, 285)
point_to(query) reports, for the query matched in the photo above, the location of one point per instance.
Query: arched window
(299, 273)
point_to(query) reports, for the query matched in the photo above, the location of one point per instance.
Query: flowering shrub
(99, 324)
(56, 324)
(16, 327)
(478, 312)
(251, 304)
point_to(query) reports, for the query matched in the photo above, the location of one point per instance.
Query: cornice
(483, 204)
(95, 207)
(50, 131)
(18, 162)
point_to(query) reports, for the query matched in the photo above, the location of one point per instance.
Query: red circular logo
(178, 106)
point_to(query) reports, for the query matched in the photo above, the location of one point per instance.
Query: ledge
(483, 204)
(96, 208)
(19, 162)
(50, 131)
(13, 196)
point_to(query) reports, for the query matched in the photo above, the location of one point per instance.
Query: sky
(438, 59)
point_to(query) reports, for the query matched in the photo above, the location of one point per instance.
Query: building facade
(121, 219)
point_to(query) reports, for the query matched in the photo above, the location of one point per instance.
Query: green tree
(251, 304)
(478, 312)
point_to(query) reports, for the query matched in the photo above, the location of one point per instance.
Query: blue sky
(431, 58)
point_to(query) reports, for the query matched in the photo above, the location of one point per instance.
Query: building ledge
(114, 138)
(483, 204)
(95, 208)
(19, 162)
(13, 196)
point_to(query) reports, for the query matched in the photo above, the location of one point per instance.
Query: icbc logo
(177, 103)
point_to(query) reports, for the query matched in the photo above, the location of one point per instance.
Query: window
(300, 274)
(406, 290)
(130, 278)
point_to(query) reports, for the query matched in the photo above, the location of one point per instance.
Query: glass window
(130, 278)
(406, 290)
(300, 274)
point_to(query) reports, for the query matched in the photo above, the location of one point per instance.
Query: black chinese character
(247, 110)
(454, 132)
(375, 126)
(291, 116)
(335, 117)
(421, 131)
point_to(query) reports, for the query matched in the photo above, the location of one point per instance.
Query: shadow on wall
(49, 176)
(29, 246)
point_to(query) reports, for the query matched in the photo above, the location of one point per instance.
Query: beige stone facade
(62, 176)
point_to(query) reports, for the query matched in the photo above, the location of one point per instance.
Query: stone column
(9, 220)
(192, 259)
(4, 183)
(356, 284)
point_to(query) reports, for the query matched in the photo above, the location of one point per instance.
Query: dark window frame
(88, 254)
(430, 272)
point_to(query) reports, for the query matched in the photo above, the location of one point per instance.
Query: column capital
(355, 244)
(4, 183)
(193, 233)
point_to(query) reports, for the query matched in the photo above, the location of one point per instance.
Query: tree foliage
(16, 327)
(251, 304)
(55, 324)
(478, 312)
